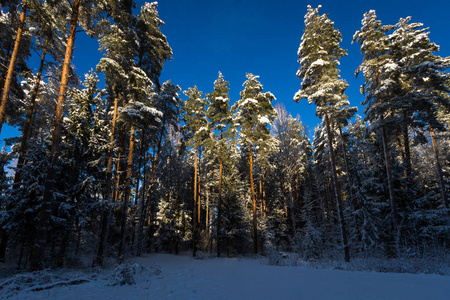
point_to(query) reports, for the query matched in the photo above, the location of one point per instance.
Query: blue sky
(262, 37)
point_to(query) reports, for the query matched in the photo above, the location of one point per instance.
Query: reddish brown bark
(37, 256)
(12, 64)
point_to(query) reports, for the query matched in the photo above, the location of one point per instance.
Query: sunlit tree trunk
(38, 251)
(12, 64)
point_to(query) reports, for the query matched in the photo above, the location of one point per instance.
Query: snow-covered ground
(164, 276)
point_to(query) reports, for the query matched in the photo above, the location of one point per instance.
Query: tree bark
(136, 196)
(30, 112)
(347, 166)
(219, 203)
(252, 187)
(37, 256)
(407, 156)
(64, 78)
(12, 64)
(392, 199)
(194, 217)
(123, 231)
(107, 191)
(337, 192)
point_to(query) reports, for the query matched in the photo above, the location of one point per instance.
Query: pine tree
(253, 113)
(38, 252)
(196, 125)
(319, 55)
(220, 119)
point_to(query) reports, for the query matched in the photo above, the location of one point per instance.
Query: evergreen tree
(319, 55)
(254, 112)
(195, 128)
(220, 119)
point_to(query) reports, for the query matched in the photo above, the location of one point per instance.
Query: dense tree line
(124, 166)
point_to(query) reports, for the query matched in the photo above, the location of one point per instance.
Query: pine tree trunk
(136, 198)
(219, 204)
(120, 155)
(153, 174)
(194, 217)
(27, 128)
(407, 156)
(12, 64)
(141, 216)
(347, 166)
(199, 197)
(252, 187)
(337, 192)
(107, 191)
(392, 201)
(64, 78)
(37, 256)
(439, 171)
(123, 231)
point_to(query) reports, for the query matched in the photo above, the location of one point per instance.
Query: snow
(244, 103)
(165, 276)
(264, 120)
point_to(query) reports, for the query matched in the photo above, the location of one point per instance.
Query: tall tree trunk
(439, 171)
(12, 64)
(347, 166)
(407, 161)
(219, 203)
(136, 195)
(65, 78)
(154, 165)
(337, 192)
(390, 180)
(104, 224)
(141, 217)
(199, 197)
(123, 231)
(27, 128)
(194, 217)
(252, 187)
(37, 256)
(119, 164)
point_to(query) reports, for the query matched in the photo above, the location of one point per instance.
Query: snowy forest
(116, 164)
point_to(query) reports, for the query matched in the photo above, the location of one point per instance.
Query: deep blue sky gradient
(262, 37)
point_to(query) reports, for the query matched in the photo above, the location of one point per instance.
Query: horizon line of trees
(131, 168)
